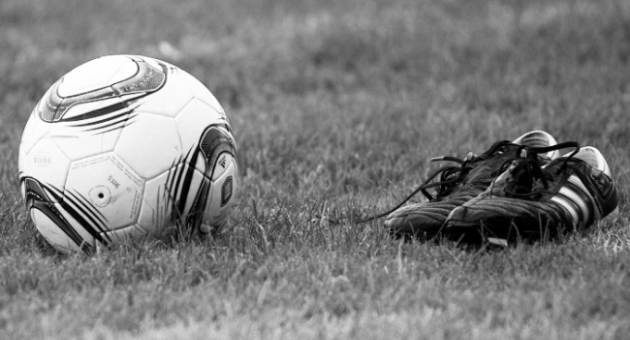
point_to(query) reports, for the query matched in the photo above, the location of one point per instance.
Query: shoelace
(450, 176)
(525, 174)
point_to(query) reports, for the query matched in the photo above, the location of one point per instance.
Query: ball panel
(66, 229)
(172, 197)
(201, 92)
(145, 81)
(193, 119)
(170, 99)
(52, 233)
(62, 218)
(97, 74)
(224, 164)
(90, 137)
(192, 197)
(150, 144)
(47, 163)
(105, 186)
(215, 142)
(219, 204)
(206, 142)
(158, 201)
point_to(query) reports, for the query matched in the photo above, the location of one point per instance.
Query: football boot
(533, 202)
(455, 185)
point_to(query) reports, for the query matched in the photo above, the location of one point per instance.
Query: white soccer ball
(125, 146)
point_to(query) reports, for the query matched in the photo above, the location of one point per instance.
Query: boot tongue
(521, 179)
(517, 180)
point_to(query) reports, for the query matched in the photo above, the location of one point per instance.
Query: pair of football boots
(514, 191)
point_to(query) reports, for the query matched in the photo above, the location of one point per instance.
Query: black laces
(453, 175)
(450, 176)
(527, 171)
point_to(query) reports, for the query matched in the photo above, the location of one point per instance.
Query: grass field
(337, 107)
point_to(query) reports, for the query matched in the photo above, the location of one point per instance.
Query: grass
(336, 107)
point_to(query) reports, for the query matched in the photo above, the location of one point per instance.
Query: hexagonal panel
(105, 186)
(45, 162)
(193, 119)
(90, 137)
(201, 92)
(157, 203)
(170, 196)
(150, 145)
(169, 100)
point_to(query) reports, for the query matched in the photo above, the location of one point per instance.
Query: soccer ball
(125, 146)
